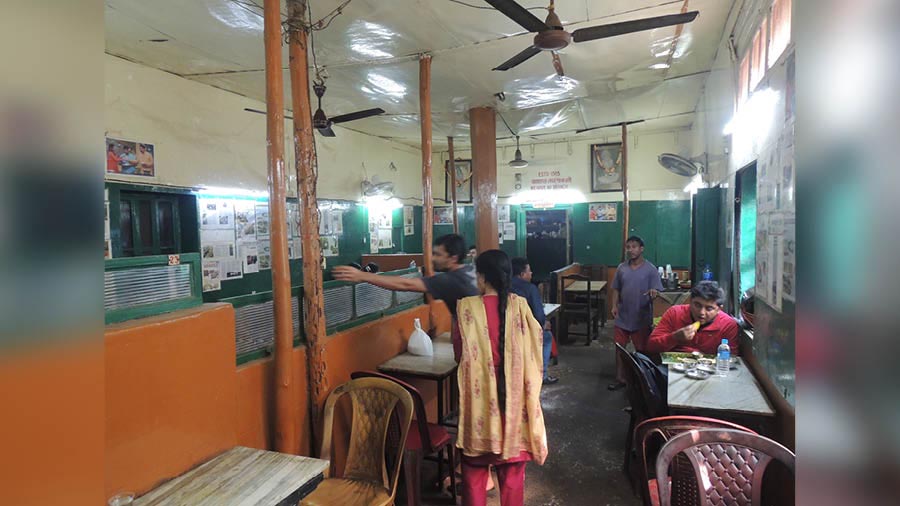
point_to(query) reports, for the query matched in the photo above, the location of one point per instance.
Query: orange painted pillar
(286, 432)
(427, 198)
(483, 130)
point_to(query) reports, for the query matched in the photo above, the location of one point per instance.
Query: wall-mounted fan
(680, 165)
(552, 37)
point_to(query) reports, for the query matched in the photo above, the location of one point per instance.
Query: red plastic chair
(650, 435)
(424, 440)
(728, 464)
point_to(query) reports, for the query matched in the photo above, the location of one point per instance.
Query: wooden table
(736, 397)
(437, 367)
(241, 477)
(551, 310)
(582, 286)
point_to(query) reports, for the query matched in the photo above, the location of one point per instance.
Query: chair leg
(440, 463)
(451, 453)
(412, 465)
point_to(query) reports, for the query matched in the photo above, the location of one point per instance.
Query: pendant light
(518, 162)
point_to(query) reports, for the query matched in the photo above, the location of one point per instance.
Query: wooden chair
(579, 306)
(424, 440)
(371, 473)
(650, 435)
(598, 272)
(728, 464)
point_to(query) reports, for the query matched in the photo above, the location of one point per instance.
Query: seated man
(522, 286)
(678, 331)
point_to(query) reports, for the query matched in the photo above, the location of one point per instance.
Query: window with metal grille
(780, 32)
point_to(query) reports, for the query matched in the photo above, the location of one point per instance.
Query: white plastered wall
(203, 137)
(647, 180)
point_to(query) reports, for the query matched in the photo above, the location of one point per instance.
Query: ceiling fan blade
(343, 118)
(557, 64)
(257, 111)
(327, 132)
(638, 25)
(519, 14)
(609, 125)
(517, 59)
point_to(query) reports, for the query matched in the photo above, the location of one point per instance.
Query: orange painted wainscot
(174, 397)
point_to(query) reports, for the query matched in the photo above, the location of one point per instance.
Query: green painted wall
(665, 227)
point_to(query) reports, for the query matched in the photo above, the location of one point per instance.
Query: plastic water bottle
(707, 273)
(723, 359)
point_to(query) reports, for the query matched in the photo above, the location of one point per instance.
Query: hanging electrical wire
(507, 124)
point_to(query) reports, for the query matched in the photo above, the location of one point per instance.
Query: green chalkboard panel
(673, 233)
(596, 243)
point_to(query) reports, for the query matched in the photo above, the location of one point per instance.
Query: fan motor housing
(552, 40)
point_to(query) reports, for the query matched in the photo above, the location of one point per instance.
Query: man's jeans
(548, 345)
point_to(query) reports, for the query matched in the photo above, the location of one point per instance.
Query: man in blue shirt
(521, 286)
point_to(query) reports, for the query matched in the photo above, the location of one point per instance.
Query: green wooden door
(707, 209)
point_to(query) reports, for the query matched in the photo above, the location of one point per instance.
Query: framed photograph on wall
(463, 181)
(602, 213)
(606, 167)
(130, 157)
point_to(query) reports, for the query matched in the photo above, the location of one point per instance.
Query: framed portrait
(606, 167)
(130, 157)
(443, 216)
(463, 181)
(602, 213)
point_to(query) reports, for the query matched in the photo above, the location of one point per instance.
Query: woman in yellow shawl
(500, 375)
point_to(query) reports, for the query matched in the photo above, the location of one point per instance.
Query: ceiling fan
(323, 123)
(552, 37)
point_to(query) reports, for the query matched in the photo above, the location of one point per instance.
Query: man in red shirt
(677, 330)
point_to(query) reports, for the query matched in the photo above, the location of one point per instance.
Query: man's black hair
(708, 290)
(635, 238)
(455, 246)
(472, 247)
(519, 264)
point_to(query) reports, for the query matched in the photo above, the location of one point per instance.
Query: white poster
(788, 270)
(245, 220)
(330, 246)
(230, 268)
(503, 213)
(296, 248)
(408, 216)
(324, 222)
(217, 244)
(385, 240)
(775, 256)
(408, 230)
(107, 241)
(373, 243)
(337, 222)
(762, 258)
(250, 257)
(509, 231)
(262, 221)
(265, 254)
(211, 276)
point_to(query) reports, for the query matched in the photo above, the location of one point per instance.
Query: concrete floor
(585, 431)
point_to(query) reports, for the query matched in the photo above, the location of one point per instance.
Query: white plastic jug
(419, 342)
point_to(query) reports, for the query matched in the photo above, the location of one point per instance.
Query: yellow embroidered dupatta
(481, 429)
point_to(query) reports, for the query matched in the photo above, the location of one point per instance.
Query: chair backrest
(373, 400)
(556, 281)
(637, 389)
(728, 465)
(418, 405)
(651, 434)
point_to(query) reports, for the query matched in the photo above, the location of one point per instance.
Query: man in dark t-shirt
(454, 280)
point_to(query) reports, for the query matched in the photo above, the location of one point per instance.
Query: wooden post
(427, 199)
(285, 411)
(307, 176)
(483, 128)
(625, 205)
(451, 165)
